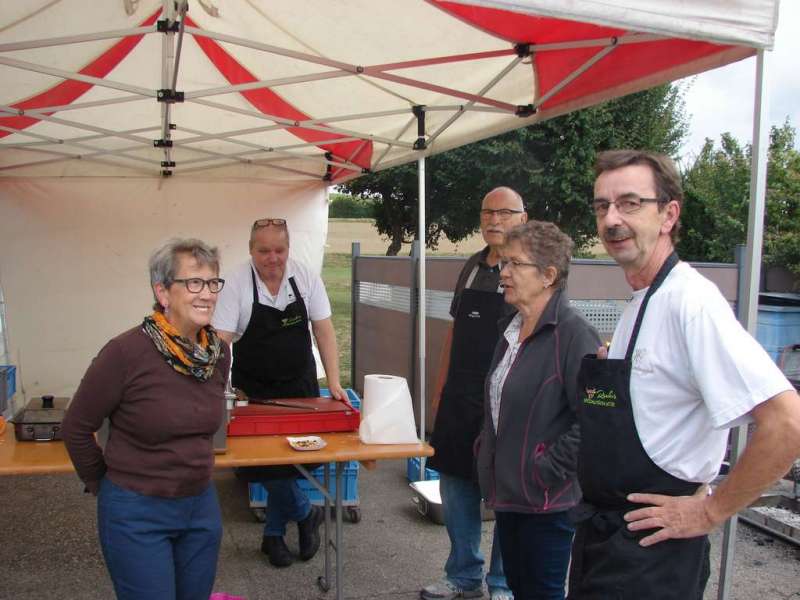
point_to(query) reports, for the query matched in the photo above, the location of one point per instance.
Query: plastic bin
(8, 385)
(778, 327)
(259, 496)
(413, 474)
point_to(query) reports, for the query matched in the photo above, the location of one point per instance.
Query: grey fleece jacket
(529, 465)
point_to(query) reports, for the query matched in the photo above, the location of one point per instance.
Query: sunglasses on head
(259, 223)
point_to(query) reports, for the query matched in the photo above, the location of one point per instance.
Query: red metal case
(264, 419)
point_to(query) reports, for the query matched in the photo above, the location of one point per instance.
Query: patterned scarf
(182, 354)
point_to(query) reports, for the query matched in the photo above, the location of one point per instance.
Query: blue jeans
(536, 549)
(461, 505)
(159, 548)
(285, 502)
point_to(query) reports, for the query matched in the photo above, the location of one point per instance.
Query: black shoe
(308, 530)
(275, 547)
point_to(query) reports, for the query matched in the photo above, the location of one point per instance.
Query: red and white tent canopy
(273, 97)
(304, 90)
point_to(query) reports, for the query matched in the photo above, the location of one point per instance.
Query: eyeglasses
(514, 264)
(259, 223)
(504, 214)
(626, 204)
(195, 284)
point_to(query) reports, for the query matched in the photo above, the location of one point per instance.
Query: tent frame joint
(167, 26)
(419, 113)
(169, 96)
(523, 50)
(328, 169)
(526, 110)
(162, 143)
(167, 163)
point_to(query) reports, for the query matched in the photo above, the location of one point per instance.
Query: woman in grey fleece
(527, 450)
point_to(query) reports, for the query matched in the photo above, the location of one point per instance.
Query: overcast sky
(722, 100)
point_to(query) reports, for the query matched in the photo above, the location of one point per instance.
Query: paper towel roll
(386, 413)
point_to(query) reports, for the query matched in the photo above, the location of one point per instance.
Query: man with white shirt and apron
(265, 312)
(656, 407)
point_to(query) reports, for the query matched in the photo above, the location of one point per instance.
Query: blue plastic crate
(778, 327)
(352, 397)
(259, 495)
(412, 470)
(8, 385)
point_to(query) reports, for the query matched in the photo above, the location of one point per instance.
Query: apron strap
(255, 289)
(471, 278)
(297, 295)
(665, 269)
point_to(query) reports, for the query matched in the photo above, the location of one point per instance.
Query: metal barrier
(384, 309)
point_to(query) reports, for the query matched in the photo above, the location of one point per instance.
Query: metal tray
(40, 420)
(428, 501)
(779, 515)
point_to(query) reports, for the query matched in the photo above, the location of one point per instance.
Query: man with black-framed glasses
(656, 406)
(458, 404)
(268, 310)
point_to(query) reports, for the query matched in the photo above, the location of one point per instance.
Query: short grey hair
(164, 261)
(545, 245)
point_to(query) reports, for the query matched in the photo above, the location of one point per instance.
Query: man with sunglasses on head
(458, 404)
(265, 310)
(656, 406)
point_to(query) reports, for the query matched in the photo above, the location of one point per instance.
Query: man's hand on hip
(673, 516)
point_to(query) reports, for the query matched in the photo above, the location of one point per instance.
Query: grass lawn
(336, 275)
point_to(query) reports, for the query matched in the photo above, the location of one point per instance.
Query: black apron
(273, 359)
(607, 561)
(460, 415)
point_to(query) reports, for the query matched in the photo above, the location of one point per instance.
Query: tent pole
(748, 309)
(167, 57)
(77, 39)
(421, 229)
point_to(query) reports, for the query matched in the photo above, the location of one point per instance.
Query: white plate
(306, 443)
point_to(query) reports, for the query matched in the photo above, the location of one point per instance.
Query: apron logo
(474, 315)
(597, 397)
(290, 321)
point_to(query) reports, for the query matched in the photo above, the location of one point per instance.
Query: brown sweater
(162, 422)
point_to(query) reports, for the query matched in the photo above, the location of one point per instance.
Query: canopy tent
(267, 90)
(285, 89)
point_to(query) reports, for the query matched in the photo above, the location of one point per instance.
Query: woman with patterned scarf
(161, 386)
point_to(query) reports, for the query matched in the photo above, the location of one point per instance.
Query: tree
(717, 195)
(550, 164)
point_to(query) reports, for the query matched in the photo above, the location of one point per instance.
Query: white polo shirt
(235, 302)
(696, 373)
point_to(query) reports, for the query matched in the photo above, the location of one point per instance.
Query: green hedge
(344, 206)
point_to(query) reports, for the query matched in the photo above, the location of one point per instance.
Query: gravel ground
(50, 548)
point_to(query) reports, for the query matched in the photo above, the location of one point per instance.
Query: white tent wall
(73, 259)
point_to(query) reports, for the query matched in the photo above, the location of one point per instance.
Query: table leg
(338, 542)
(327, 472)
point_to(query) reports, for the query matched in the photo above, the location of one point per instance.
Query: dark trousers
(159, 548)
(536, 550)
